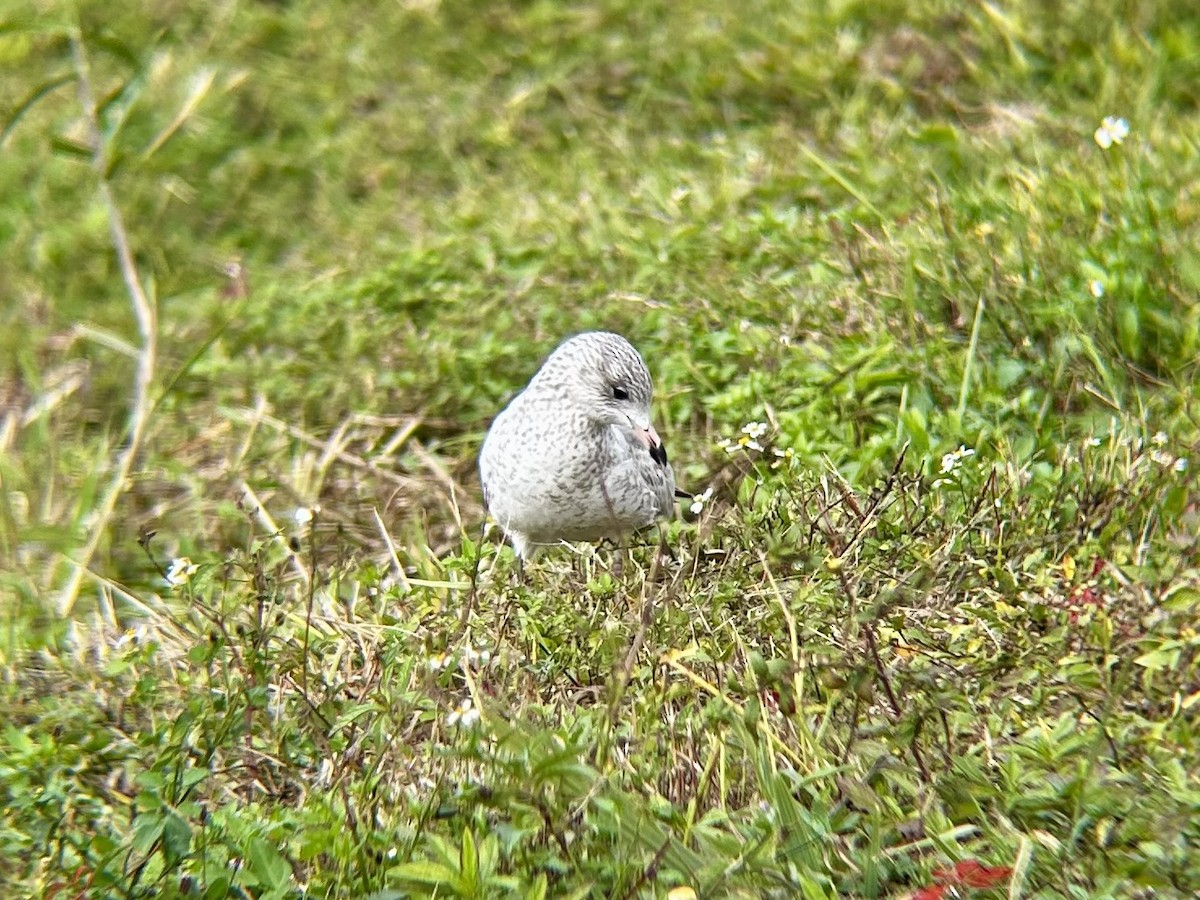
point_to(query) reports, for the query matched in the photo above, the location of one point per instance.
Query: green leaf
(266, 863)
(1129, 331)
(30, 101)
(147, 802)
(753, 711)
(177, 838)
(71, 147)
(489, 856)
(1166, 657)
(192, 777)
(434, 874)
(469, 861)
(351, 715)
(147, 829)
(537, 889)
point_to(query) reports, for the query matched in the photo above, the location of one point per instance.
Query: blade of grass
(964, 389)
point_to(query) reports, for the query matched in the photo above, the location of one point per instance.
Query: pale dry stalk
(147, 322)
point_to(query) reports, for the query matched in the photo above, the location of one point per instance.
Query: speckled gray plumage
(570, 459)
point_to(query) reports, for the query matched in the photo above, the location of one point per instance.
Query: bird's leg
(525, 550)
(618, 558)
(661, 554)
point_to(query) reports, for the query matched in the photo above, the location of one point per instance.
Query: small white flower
(1097, 288)
(1163, 458)
(180, 571)
(1159, 439)
(1112, 130)
(755, 429)
(1181, 464)
(465, 716)
(481, 657)
(439, 661)
(1091, 442)
(323, 777)
(304, 515)
(699, 500)
(747, 440)
(138, 636)
(954, 458)
(782, 457)
(72, 638)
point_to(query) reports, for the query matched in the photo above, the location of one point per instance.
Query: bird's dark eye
(619, 393)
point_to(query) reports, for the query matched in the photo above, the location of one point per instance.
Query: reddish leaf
(988, 876)
(969, 873)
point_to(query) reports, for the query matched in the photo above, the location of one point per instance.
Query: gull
(574, 457)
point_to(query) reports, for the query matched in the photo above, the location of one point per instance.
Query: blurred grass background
(868, 226)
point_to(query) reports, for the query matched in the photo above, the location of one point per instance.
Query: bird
(574, 456)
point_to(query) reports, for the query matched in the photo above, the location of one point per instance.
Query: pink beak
(648, 437)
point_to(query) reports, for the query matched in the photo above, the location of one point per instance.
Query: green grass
(868, 668)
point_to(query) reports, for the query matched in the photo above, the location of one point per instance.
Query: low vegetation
(917, 284)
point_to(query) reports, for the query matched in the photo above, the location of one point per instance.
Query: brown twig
(873, 648)
(623, 674)
(651, 871)
(881, 671)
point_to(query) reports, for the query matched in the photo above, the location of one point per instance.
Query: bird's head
(609, 381)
